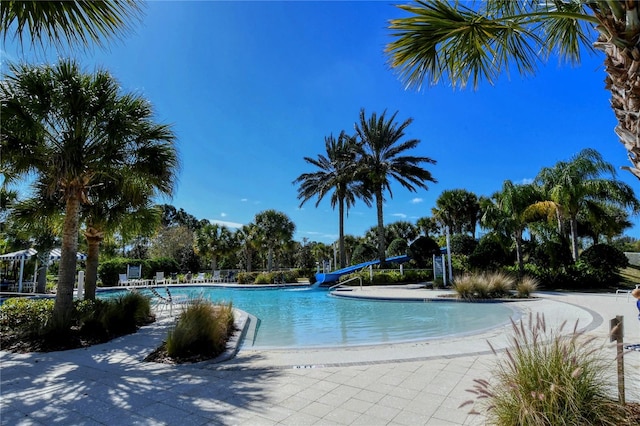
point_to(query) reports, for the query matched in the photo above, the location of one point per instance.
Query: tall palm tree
(507, 212)
(70, 22)
(443, 40)
(213, 240)
(427, 225)
(72, 132)
(458, 209)
(276, 230)
(335, 172)
(571, 186)
(381, 158)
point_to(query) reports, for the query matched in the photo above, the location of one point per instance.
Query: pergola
(26, 254)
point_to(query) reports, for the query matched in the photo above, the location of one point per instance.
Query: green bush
(202, 329)
(25, 315)
(109, 270)
(422, 250)
(604, 261)
(462, 244)
(489, 255)
(548, 379)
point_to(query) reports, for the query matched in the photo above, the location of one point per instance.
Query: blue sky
(253, 87)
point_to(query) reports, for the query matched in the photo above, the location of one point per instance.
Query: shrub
(422, 250)
(202, 329)
(26, 316)
(526, 286)
(462, 244)
(604, 261)
(398, 247)
(489, 254)
(548, 379)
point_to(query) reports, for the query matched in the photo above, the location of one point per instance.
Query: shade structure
(25, 254)
(22, 255)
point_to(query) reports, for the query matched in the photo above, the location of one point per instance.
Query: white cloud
(227, 223)
(400, 215)
(417, 201)
(223, 214)
(526, 181)
(244, 200)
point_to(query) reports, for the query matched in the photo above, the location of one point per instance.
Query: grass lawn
(630, 276)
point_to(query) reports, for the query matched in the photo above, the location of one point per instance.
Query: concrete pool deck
(400, 384)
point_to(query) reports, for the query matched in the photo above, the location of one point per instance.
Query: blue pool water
(299, 318)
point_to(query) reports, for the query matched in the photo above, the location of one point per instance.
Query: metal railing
(346, 281)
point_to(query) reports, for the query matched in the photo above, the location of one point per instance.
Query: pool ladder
(346, 281)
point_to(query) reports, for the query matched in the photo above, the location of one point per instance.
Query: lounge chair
(216, 277)
(200, 278)
(122, 279)
(160, 279)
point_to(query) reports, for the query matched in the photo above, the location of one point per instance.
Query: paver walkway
(410, 384)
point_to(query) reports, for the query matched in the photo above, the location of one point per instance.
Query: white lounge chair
(122, 279)
(216, 276)
(200, 278)
(160, 279)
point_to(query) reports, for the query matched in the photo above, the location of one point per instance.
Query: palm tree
(247, 238)
(72, 132)
(427, 226)
(507, 212)
(276, 229)
(600, 219)
(443, 40)
(213, 240)
(336, 172)
(381, 158)
(459, 210)
(70, 22)
(572, 186)
(120, 207)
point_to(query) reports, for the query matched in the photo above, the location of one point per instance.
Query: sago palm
(71, 132)
(335, 174)
(470, 41)
(382, 160)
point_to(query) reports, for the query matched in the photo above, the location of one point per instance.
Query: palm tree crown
(73, 22)
(381, 159)
(452, 41)
(76, 135)
(336, 172)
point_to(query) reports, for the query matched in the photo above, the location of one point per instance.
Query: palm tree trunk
(623, 81)
(214, 263)
(574, 237)
(270, 259)
(63, 306)
(343, 254)
(381, 243)
(93, 255)
(519, 253)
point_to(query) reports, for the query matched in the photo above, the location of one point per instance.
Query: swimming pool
(308, 318)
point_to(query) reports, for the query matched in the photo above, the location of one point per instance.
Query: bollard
(616, 328)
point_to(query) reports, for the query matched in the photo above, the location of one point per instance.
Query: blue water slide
(331, 277)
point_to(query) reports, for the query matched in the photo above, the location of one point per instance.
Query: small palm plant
(547, 378)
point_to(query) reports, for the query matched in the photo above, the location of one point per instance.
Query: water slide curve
(331, 277)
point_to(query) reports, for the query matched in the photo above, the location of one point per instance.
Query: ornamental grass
(526, 286)
(545, 378)
(202, 330)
